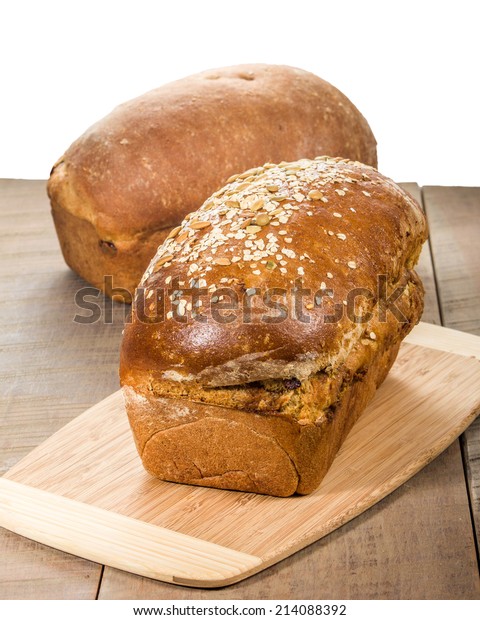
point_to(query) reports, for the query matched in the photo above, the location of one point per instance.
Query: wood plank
(31, 571)
(51, 368)
(454, 218)
(431, 313)
(43, 384)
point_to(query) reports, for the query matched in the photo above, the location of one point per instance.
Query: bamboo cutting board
(84, 490)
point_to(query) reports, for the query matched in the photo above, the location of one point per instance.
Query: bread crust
(197, 391)
(152, 160)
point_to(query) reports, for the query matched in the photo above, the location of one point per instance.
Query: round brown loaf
(136, 173)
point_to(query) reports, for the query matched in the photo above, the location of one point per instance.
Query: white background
(412, 68)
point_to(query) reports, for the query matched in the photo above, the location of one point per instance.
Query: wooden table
(420, 542)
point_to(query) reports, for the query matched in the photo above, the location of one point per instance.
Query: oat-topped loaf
(265, 322)
(120, 188)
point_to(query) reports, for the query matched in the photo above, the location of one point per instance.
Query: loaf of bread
(129, 179)
(265, 323)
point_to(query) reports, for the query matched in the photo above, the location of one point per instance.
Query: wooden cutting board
(84, 490)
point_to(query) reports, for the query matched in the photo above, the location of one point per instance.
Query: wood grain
(454, 218)
(51, 367)
(41, 380)
(424, 525)
(422, 407)
(30, 570)
(101, 535)
(453, 215)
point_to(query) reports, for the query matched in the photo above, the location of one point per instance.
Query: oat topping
(174, 232)
(250, 209)
(262, 220)
(199, 224)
